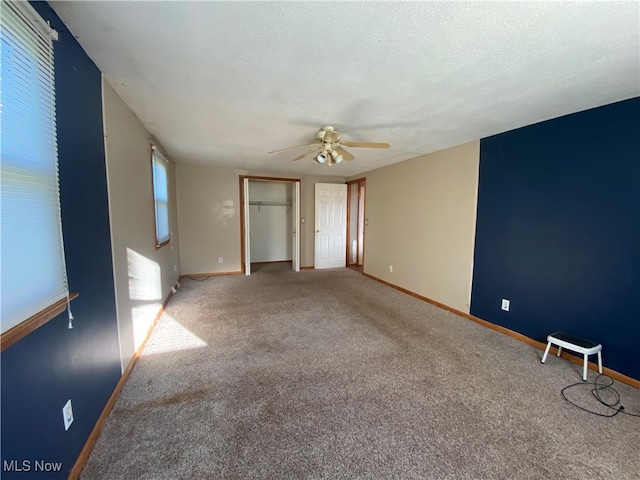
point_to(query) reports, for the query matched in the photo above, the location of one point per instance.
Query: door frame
(343, 231)
(296, 222)
(362, 184)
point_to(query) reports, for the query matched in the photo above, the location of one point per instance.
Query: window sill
(23, 329)
(162, 244)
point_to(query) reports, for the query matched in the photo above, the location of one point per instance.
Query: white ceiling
(225, 82)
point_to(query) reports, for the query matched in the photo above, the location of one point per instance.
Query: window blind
(32, 254)
(161, 196)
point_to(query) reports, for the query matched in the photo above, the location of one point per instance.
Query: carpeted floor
(328, 374)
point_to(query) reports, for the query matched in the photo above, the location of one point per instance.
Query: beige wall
(209, 217)
(421, 220)
(143, 275)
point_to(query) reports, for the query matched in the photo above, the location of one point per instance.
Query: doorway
(355, 223)
(269, 221)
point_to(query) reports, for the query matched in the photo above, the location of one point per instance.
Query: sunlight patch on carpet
(171, 336)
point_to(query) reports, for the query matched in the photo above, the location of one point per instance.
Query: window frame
(157, 158)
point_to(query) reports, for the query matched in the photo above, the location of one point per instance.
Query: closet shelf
(269, 204)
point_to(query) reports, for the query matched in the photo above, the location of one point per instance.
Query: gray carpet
(328, 374)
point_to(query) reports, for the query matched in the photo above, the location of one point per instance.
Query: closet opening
(269, 226)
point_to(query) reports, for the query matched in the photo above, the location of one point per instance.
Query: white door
(247, 229)
(331, 225)
(295, 200)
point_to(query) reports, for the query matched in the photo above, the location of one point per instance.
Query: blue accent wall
(54, 364)
(558, 230)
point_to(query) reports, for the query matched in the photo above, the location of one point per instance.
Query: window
(160, 197)
(33, 277)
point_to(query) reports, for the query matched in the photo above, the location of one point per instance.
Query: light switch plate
(505, 304)
(67, 414)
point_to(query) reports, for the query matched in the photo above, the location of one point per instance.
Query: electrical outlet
(220, 259)
(505, 304)
(67, 414)
(175, 267)
(390, 268)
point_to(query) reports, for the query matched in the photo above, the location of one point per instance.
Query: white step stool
(575, 344)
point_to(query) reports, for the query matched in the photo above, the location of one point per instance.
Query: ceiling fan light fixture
(321, 158)
(336, 157)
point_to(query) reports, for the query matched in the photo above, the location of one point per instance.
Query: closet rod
(270, 203)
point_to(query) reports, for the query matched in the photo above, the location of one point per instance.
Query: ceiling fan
(330, 145)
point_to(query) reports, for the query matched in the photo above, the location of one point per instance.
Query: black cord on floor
(614, 405)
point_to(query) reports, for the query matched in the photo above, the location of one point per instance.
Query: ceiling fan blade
(292, 148)
(308, 152)
(347, 156)
(366, 144)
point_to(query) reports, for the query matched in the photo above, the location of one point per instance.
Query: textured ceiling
(225, 82)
